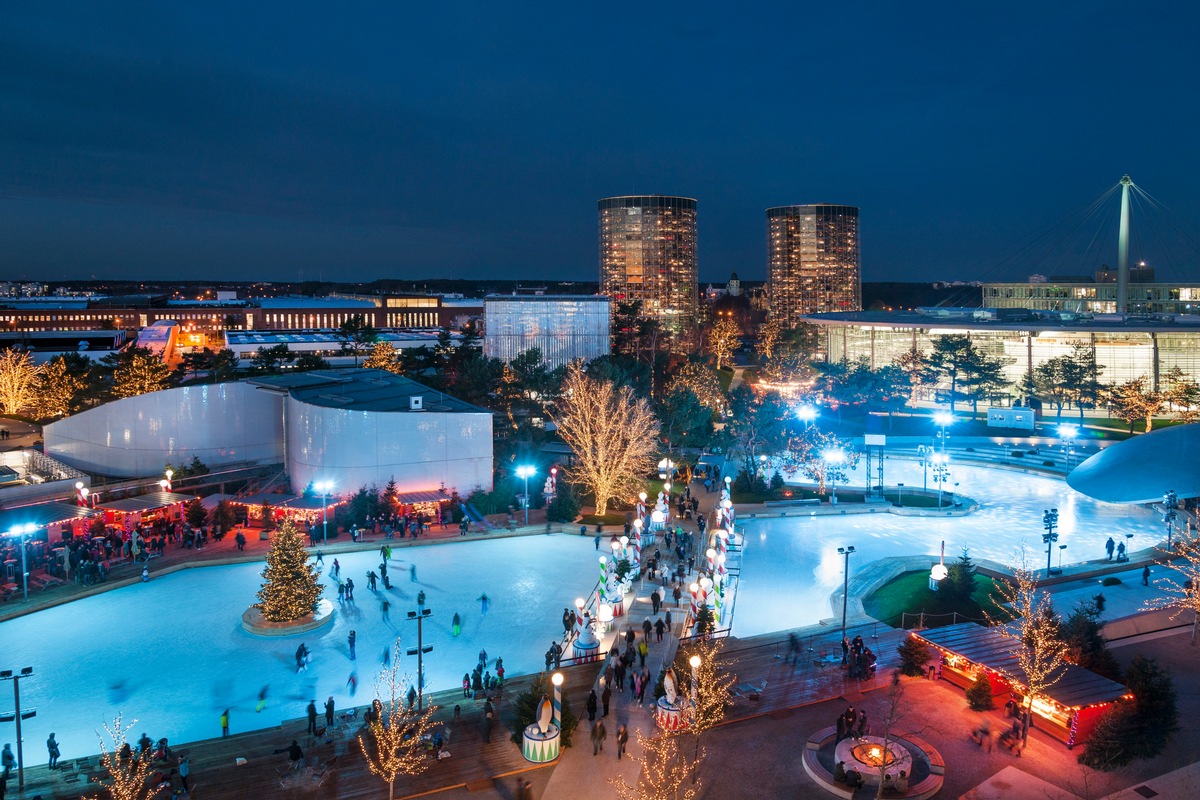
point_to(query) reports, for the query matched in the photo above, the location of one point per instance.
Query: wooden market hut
(1067, 710)
(300, 509)
(145, 508)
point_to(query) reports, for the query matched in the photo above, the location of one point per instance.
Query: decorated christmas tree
(291, 590)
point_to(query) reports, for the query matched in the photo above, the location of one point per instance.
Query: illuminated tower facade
(813, 261)
(648, 253)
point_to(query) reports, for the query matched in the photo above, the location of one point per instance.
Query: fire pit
(868, 754)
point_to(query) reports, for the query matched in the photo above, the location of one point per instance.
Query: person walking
(1121, 552)
(352, 638)
(312, 717)
(1146, 575)
(225, 724)
(7, 761)
(591, 706)
(655, 600)
(659, 627)
(329, 712)
(1109, 546)
(599, 734)
(53, 751)
(622, 739)
(605, 697)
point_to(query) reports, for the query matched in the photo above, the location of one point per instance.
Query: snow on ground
(791, 566)
(172, 654)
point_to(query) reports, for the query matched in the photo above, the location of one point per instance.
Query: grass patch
(910, 593)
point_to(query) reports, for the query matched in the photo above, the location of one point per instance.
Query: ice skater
(412, 573)
(484, 601)
(302, 658)
(352, 639)
(385, 606)
(456, 625)
(352, 683)
(262, 699)
(387, 657)
(336, 570)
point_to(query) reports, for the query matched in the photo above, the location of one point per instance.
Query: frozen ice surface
(791, 566)
(172, 654)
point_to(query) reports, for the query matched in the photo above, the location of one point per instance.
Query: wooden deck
(215, 773)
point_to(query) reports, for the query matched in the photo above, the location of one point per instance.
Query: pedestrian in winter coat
(599, 734)
(659, 627)
(646, 628)
(466, 684)
(605, 697)
(312, 717)
(622, 738)
(329, 711)
(655, 598)
(591, 706)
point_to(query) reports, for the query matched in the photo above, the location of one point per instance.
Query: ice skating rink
(791, 564)
(171, 653)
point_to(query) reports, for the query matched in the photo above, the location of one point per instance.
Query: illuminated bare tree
(808, 453)
(395, 740)
(702, 382)
(18, 381)
(612, 433)
(769, 334)
(723, 338)
(127, 776)
(1182, 588)
(712, 681)
(1040, 650)
(664, 772)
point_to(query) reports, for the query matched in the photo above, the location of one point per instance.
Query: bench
(823, 778)
(937, 765)
(926, 788)
(800, 501)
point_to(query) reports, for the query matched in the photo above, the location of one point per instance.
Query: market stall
(1068, 710)
(145, 509)
(302, 510)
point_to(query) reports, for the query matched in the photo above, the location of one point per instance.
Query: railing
(922, 619)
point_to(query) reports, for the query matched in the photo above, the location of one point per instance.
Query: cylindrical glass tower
(813, 261)
(648, 253)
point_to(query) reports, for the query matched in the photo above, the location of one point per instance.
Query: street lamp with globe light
(943, 419)
(1050, 525)
(1068, 433)
(525, 472)
(807, 414)
(323, 487)
(832, 458)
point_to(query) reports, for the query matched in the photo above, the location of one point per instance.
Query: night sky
(355, 141)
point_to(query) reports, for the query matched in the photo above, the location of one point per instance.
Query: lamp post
(323, 487)
(17, 716)
(420, 650)
(943, 419)
(832, 458)
(557, 680)
(25, 530)
(694, 661)
(1050, 524)
(1169, 513)
(1068, 434)
(941, 473)
(525, 472)
(845, 551)
(923, 455)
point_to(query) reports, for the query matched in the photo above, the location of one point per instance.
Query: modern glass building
(813, 264)
(648, 253)
(1126, 348)
(1093, 297)
(563, 327)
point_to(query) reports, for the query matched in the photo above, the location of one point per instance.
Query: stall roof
(314, 503)
(428, 496)
(273, 499)
(146, 502)
(1076, 687)
(42, 515)
(281, 500)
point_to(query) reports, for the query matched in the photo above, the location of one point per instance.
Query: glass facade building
(1093, 298)
(648, 253)
(1127, 350)
(813, 264)
(564, 328)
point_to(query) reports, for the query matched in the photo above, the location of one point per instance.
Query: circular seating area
(925, 781)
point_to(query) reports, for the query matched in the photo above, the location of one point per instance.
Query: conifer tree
(291, 590)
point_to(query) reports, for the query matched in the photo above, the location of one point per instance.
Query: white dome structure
(1144, 468)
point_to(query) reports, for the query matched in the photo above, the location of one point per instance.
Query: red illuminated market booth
(1068, 710)
(145, 509)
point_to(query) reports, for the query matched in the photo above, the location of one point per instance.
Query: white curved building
(222, 423)
(353, 428)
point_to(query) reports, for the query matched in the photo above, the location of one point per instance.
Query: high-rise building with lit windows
(648, 253)
(813, 262)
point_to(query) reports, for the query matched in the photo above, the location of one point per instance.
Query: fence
(920, 620)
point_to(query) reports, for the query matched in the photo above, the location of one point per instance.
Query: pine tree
(195, 513)
(291, 590)
(913, 657)
(979, 693)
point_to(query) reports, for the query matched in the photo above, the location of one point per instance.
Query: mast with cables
(1123, 249)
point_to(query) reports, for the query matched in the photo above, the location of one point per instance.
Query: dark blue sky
(357, 141)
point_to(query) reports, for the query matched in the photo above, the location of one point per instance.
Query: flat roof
(311, 302)
(596, 298)
(308, 337)
(363, 390)
(911, 319)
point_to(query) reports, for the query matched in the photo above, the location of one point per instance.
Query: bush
(565, 505)
(913, 657)
(1111, 580)
(1047, 463)
(979, 695)
(958, 586)
(1017, 454)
